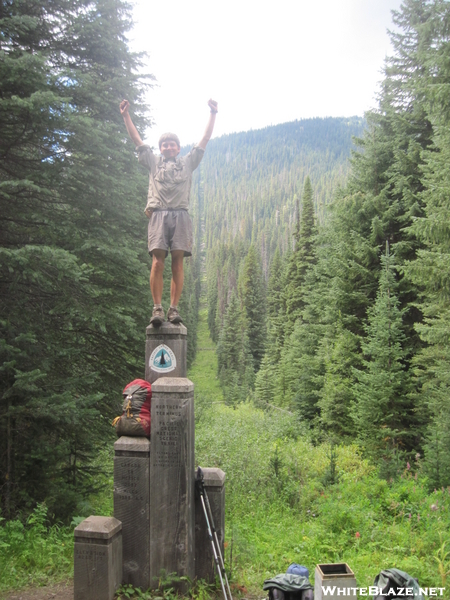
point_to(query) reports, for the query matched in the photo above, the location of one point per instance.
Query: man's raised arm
(132, 131)
(210, 127)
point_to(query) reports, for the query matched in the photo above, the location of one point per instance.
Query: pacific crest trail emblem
(162, 359)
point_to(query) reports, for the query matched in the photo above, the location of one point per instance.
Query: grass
(203, 371)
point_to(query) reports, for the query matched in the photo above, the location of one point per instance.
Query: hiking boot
(157, 316)
(173, 316)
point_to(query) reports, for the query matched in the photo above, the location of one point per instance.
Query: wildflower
(408, 466)
(357, 534)
(409, 516)
(434, 507)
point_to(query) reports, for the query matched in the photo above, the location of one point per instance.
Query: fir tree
(254, 302)
(266, 381)
(301, 372)
(383, 408)
(430, 272)
(235, 361)
(275, 287)
(302, 258)
(341, 357)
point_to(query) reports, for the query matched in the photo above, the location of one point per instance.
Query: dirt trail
(58, 591)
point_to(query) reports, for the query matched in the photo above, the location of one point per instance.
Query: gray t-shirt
(170, 180)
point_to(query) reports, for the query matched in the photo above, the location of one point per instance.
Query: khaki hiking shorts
(170, 230)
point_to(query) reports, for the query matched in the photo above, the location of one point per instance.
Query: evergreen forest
(317, 303)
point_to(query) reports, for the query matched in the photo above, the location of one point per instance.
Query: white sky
(264, 62)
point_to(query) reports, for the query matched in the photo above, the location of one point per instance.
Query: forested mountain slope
(249, 185)
(253, 179)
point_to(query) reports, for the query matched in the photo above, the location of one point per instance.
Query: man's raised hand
(210, 126)
(124, 106)
(132, 131)
(213, 105)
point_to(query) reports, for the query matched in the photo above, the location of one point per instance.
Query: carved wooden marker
(165, 351)
(132, 507)
(97, 558)
(172, 479)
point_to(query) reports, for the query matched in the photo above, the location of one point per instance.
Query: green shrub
(33, 553)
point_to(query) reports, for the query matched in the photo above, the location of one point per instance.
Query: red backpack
(135, 419)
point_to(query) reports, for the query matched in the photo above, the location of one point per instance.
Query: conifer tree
(254, 302)
(275, 287)
(302, 258)
(279, 276)
(268, 376)
(212, 276)
(266, 381)
(383, 408)
(301, 372)
(235, 361)
(341, 357)
(430, 272)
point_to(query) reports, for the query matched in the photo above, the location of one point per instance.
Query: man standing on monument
(170, 226)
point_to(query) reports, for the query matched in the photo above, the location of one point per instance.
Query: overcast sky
(264, 62)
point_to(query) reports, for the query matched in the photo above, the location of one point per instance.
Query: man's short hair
(169, 137)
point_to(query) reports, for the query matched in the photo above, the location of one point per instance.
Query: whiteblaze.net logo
(333, 590)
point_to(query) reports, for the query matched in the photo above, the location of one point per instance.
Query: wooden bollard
(97, 558)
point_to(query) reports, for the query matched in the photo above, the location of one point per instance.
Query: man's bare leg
(176, 285)
(156, 285)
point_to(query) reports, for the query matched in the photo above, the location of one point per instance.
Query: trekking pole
(214, 542)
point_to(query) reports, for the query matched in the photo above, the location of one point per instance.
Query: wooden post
(214, 482)
(132, 507)
(172, 480)
(165, 351)
(97, 558)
